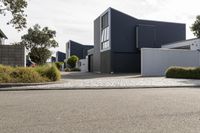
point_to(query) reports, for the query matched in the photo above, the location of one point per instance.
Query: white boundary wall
(155, 61)
(83, 65)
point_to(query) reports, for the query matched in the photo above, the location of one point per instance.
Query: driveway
(78, 80)
(160, 110)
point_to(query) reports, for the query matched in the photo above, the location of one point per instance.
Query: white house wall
(155, 61)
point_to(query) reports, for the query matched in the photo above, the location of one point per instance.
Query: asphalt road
(101, 111)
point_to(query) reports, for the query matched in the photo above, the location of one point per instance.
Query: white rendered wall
(83, 65)
(155, 61)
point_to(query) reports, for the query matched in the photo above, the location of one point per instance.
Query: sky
(73, 19)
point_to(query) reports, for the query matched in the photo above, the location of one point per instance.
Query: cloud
(73, 19)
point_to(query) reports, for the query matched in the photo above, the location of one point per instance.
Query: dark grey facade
(60, 56)
(53, 59)
(75, 48)
(119, 37)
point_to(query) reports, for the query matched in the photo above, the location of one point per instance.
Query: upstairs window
(105, 32)
(104, 21)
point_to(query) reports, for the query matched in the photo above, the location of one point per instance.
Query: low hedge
(49, 71)
(29, 75)
(72, 69)
(59, 65)
(183, 72)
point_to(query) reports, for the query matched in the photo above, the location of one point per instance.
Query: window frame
(105, 34)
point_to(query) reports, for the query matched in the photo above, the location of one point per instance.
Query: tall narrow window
(105, 32)
(68, 50)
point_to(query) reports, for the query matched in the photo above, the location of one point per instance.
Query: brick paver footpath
(79, 80)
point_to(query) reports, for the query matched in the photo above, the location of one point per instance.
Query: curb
(95, 88)
(8, 85)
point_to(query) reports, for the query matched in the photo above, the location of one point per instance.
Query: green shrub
(72, 61)
(59, 65)
(6, 69)
(29, 75)
(53, 73)
(75, 69)
(183, 72)
(5, 74)
(5, 78)
(67, 70)
(49, 71)
(72, 69)
(26, 75)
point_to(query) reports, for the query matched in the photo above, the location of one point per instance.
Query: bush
(29, 75)
(59, 65)
(5, 78)
(72, 61)
(49, 71)
(183, 72)
(72, 69)
(26, 75)
(5, 69)
(19, 75)
(67, 70)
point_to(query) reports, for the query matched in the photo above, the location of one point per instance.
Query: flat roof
(158, 21)
(179, 43)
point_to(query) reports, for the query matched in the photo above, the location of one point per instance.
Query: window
(104, 21)
(105, 32)
(68, 51)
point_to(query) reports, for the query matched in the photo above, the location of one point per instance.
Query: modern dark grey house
(60, 56)
(75, 48)
(53, 59)
(119, 37)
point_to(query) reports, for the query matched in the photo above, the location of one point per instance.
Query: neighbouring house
(53, 59)
(78, 49)
(155, 61)
(12, 55)
(3, 37)
(118, 39)
(60, 56)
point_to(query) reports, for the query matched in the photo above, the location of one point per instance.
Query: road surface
(163, 110)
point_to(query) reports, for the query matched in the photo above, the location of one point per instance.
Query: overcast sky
(73, 19)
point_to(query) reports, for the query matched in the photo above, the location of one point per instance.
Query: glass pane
(107, 35)
(104, 21)
(102, 36)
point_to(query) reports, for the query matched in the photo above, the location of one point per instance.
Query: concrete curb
(8, 85)
(95, 88)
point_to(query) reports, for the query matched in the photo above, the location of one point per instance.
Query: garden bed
(39, 74)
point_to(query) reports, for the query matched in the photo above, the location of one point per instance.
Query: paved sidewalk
(112, 81)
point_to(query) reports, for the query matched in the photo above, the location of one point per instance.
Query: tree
(16, 8)
(196, 27)
(72, 61)
(39, 38)
(38, 41)
(40, 55)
